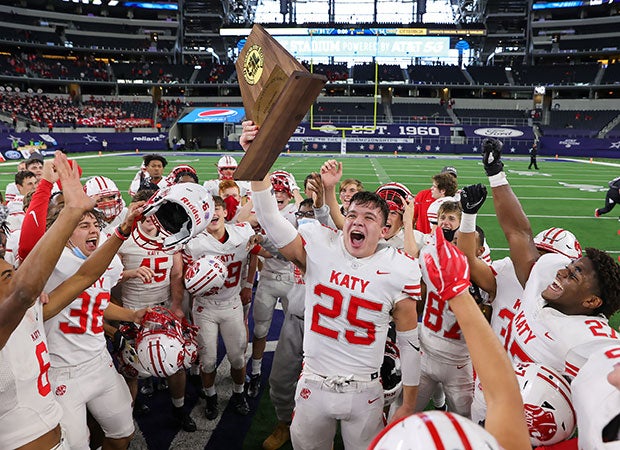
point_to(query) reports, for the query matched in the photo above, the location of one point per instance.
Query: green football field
(562, 193)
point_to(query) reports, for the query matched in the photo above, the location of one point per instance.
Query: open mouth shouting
(91, 244)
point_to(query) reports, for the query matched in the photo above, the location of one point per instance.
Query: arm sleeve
(33, 226)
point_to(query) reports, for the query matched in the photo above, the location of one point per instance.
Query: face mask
(448, 234)
(77, 252)
(305, 220)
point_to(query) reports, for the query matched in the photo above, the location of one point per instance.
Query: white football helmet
(281, 182)
(395, 194)
(164, 344)
(390, 373)
(289, 176)
(179, 213)
(433, 430)
(226, 162)
(204, 275)
(128, 363)
(104, 187)
(558, 240)
(547, 401)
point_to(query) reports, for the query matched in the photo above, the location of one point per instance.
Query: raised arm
(472, 199)
(28, 281)
(278, 229)
(510, 214)
(447, 267)
(331, 172)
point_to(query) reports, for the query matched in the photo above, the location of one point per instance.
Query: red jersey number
(156, 265)
(351, 314)
(96, 318)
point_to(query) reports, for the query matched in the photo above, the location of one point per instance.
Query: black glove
(491, 156)
(118, 341)
(473, 197)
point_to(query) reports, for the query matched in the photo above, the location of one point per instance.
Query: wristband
(248, 285)
(498, 179)
(468, 223)
(119, 234)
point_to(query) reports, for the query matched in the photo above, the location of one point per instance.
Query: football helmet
(104, 187)
(164, 344)
(204, 275)
(128, 363)
(395, 194)
(281, 182)
(431, 430)
(390, 373)
(183, 169)
(549, 411)
(226, 162)
(179, 212)
(558, 240)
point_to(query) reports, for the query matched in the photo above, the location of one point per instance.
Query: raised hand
(446, 267)
(491, 156)
(315, 186)
(72, 189)
(250, 130)
(473, 197)
(134, 213)
(331, 172)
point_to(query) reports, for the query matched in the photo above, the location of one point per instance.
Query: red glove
(447, 268)
(231, 207)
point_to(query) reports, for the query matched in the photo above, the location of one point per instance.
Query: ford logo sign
(498, 132)
(12, 154)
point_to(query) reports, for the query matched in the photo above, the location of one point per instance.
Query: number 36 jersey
(349, 301)
(75, 335)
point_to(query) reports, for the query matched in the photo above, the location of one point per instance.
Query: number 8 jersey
(348, 302)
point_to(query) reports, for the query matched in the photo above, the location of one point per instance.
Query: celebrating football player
(349, 298)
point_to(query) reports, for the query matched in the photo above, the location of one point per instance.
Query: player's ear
(593, 302)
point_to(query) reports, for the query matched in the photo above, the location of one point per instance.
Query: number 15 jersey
(349, 301)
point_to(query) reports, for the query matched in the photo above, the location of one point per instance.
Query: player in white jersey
(275, 281)
(226, 167)
(82, 374)
(29, 414)
(352, 286)
(560, 321)
(445, 357)
(159, 279)
(150, 175)
(109, 202)
(600, 431)
(221, 311)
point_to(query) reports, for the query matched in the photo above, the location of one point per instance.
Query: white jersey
(12, 247)
(232, 253)
(137, 294)
(15, 220)
(596, 403)
(398, 240)
(278, 263)
(544, 335)
(348, 302)
(135, 183)
(75, 335)
(28, 409)
(213, 186)
(109, 228)
(440, 333)
(11, 192)
(508, 294)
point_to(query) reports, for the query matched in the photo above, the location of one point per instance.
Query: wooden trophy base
(277, 93)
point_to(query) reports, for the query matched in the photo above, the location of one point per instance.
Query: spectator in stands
(612, 197)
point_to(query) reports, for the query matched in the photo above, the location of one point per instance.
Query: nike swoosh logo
(460, 367)
(370, 402)
(458, 287)
(472, 205)
(548, 336)
(379, 272)
(417, 349)
(34, 216)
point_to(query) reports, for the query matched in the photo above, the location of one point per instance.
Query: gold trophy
(277, 93)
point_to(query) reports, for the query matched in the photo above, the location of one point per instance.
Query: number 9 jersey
(349, 301)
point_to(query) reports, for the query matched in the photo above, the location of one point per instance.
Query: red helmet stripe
(432, 430)
(461, 432)
(563, 392)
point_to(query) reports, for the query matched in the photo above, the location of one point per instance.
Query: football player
(275, 281)
(108, 201)
(150, 175)
(226, 167)
(352, 286)
(29, 413)
(423, 200)
(220, 311)
(561, 319)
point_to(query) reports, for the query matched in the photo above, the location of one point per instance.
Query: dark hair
(34, 159)
(480, 236)
(143, 194)
(306, 202)
(155, 157)
(446, 182)
(22, 175)
(186, 172)
(607, 273)
(370, 199)
(308, 177)
(218, 201)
